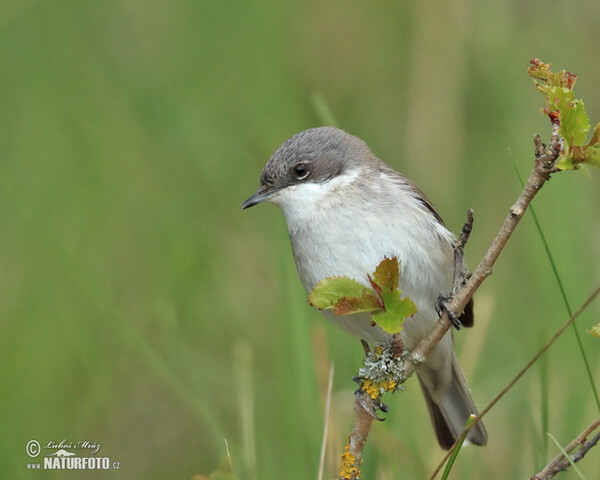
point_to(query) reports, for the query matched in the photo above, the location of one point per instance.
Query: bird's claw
(365, 346)
(441, 305)
(370, 405)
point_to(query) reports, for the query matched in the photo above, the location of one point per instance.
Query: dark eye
(301, 171)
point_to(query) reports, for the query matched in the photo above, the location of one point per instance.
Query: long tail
(450, 413)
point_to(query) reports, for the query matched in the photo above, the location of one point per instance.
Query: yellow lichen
(348, 468)
(372, 389)
(376, 389)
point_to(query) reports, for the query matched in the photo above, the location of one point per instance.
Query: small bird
(346, 210)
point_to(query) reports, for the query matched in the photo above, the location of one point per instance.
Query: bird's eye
(300, 171)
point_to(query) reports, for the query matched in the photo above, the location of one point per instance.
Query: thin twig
(459, 248)
(560, 462)
(579, 454)
(520, 374)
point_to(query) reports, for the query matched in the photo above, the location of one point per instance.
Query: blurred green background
(142, 310)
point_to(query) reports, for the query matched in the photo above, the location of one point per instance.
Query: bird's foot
(441, 305)
(370, 404)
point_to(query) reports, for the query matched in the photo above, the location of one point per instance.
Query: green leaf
(454, 454)
(367, 302)
(330, 289)
(344, 296)
(397, 309)
(559, 98)
(387, 274)
(574, 123)
(565, 163)
(562, 108)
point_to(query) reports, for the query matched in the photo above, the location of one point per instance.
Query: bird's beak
(262, 194)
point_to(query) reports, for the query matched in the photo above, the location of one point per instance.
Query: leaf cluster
(568, 112)
(345, 296)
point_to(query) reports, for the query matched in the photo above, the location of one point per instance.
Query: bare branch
(560, 462)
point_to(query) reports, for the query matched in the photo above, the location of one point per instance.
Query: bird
(346, 210)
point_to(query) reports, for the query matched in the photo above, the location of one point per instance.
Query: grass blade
(457, 449)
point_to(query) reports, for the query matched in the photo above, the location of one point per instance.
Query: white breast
(344, 227)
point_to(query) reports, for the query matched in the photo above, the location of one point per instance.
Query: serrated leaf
(397, 310)
(367, 302)
(386, 275)
(347, 296)
(574, 123)
(569, 113)
(344, 295)
(331, 289)
(559, 98)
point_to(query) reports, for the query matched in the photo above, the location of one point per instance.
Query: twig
(560, 462)
(364, 406)
(558, 333)
(459, 248)
(545, 158)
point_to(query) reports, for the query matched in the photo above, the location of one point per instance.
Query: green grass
(141, 309)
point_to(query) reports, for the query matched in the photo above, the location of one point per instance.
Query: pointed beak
(262, 194)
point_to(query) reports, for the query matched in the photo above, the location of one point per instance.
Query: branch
(560, 462)
(364, 406)
(460, 275)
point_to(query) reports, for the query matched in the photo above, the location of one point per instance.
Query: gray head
(315, 155)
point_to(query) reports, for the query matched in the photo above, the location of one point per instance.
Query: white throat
(302, 202)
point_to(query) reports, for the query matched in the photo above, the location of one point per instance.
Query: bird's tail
(450, 412)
